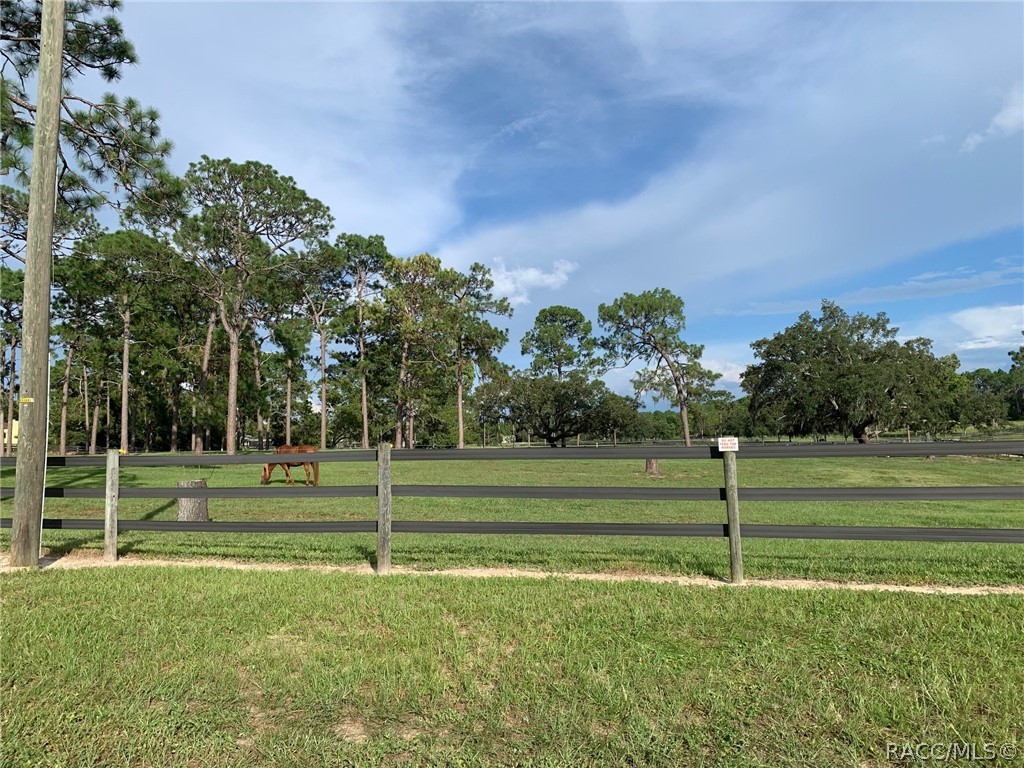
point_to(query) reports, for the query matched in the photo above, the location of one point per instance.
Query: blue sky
(752, 158)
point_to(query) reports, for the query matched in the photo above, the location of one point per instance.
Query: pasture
(209, 667)
(170, 666)
(869, 561)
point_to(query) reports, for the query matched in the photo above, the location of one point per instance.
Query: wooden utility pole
(35, 356)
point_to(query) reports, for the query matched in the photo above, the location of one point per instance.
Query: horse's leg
(305, 468)
(268, 470)
(316, 473)
(288, 474)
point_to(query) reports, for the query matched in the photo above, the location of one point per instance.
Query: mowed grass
(207, 667)
(900, 562)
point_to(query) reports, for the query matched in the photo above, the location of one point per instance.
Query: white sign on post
(728, 444)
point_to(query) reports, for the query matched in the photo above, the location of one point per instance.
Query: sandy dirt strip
(94, 559)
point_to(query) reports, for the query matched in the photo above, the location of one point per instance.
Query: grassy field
(208, 667)
(903, 562)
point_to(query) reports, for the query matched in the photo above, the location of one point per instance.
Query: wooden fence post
(110, 506)
(383, 508)
(732, 504)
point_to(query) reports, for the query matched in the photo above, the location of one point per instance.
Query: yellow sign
(26, 399)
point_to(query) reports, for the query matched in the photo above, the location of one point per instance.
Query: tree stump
(193, 510)
(651, 468)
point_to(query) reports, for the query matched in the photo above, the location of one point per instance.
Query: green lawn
(902, 562)
(208, 667)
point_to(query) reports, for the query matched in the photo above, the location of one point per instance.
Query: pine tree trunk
(10, 398)
(126, 317)
(3, 421)
(402, 404)
(288, 406)
(685, 419)
(651, 468)
(231, 428)
(259, 385)
(363, 404)
(65, 393)
(85, 396)
(204, 378)
(95, 425)
(175, 415)
(323, 389)
(462, 430)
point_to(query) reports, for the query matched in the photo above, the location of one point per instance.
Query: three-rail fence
(384, 490)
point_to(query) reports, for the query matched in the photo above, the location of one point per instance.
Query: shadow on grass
(57, 551)
(69, 477)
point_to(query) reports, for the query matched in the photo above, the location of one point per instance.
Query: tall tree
(466, 338)
(366, 260)
(249, 223)
(292, 334)
(411, 299)
(648, 327)
(77, 310)
(324, 286)
(172, 330)
(560, 341)
(125, 264)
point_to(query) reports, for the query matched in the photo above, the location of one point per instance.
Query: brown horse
(268, 468)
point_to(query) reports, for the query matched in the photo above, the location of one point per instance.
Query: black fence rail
(706, 530)
(385, 490)
(749, 451)
(569, 492)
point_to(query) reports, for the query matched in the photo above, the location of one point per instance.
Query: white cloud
(927, 285)
(731, 372)
(989, 327)
(804, 179)
(516, 283)
(729, 359)
(1008, 121)
(977, 335)
(334, 102)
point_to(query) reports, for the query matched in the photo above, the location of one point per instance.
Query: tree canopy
(561, 341)
(110, 147)
(648, 327)
(845, 374)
